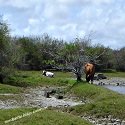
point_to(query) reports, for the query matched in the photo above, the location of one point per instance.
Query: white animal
(48, 74)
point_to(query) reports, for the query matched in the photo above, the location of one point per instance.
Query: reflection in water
(119, 89)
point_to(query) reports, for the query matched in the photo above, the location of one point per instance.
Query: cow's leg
(92, 77)
(1, 79)
(87, 78)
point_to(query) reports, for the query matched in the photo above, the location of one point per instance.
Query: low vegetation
(10, 89)
(35, 78)
(102, 102)
(44, 117)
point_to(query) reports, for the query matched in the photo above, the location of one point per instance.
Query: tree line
(45, 52)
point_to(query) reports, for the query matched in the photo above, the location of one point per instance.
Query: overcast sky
(67, 19)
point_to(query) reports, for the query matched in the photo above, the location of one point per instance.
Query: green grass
(35, 78)
(10, 89)
(115, 74)
(44, 117)
(103, 102)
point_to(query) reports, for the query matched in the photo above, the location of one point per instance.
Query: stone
(46, 94)
(59, 96)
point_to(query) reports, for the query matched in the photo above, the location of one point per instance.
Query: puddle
(119, 89)
(115, 83)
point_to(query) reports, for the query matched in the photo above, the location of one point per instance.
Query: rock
(117, 84)
(123, 123)
(59, 96)
(47, 94)
(53, 91)
(101, 83)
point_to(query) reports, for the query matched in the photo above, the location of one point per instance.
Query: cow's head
(44, 72)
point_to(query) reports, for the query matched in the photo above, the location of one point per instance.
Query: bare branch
(100, 54)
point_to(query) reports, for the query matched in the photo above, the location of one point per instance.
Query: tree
(4, 37)
(79, 52)
(9, 52)
(120, 59)
(74, 56)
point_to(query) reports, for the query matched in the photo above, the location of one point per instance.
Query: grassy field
(35, 78)
(43, 117)
(102, 102)
(10, 89)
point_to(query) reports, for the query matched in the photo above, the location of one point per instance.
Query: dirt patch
(35, 97)
(8, 104)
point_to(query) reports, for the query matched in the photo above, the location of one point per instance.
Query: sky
(103, 20)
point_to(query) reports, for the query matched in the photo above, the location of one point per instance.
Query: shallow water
(119, 89)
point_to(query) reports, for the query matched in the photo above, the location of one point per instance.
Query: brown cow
(89, 71)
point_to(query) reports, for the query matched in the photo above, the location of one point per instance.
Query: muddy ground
(37, 97)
